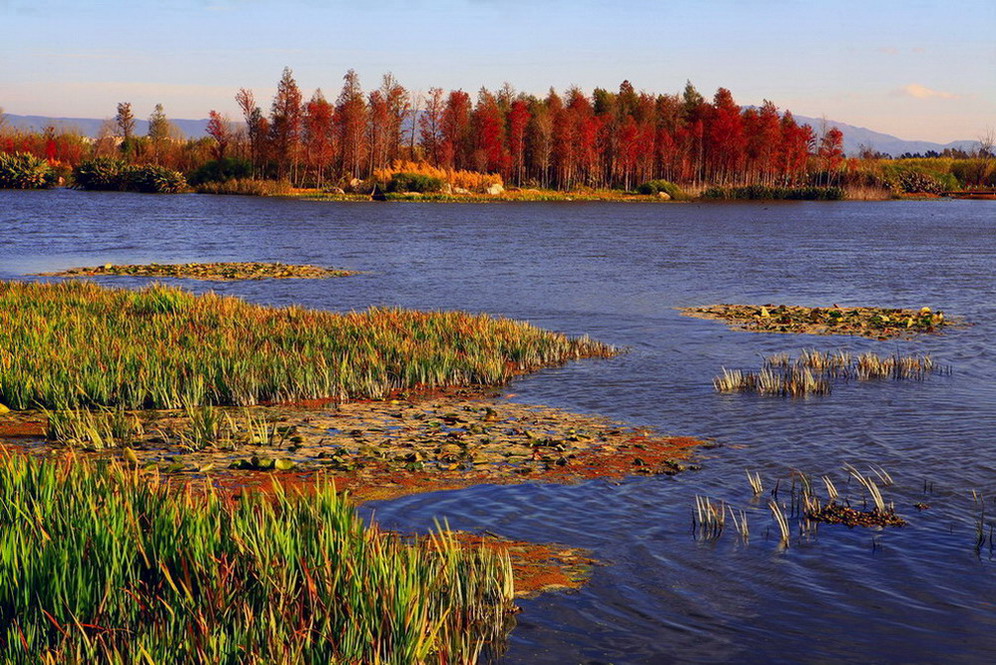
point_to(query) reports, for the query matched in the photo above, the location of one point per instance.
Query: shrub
(221, 170)
(655, 187)
(414, 182)
(717, 193)
(23, 170)
(913, 182)
(99, 174)
(151, 179)
(105, 174)
(469, 180)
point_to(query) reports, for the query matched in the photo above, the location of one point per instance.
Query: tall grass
(76, 344)
(247, 186)
(99, 564)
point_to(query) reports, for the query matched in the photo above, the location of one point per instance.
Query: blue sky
(920, 69)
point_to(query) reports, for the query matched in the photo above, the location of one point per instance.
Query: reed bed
(870, 367)
(99, 564)
(76, 344)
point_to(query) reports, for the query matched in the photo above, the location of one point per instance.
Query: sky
(918, 69)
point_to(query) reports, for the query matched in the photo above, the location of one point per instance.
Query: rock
(495, 189)
(334, 190)
(663, 196)
(4, 408)
(356, 186)
(460, 190)
(447, 188)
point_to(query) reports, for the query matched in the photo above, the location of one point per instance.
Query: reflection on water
(918, 594)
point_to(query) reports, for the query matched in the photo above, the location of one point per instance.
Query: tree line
(604, 140)
(564, 141)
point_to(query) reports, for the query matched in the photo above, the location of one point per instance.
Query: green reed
(101, 564)
(76, 344)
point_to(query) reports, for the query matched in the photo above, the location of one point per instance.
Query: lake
(919, 594)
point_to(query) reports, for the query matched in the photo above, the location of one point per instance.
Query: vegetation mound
(105, 174)
(78, 344)
(207, 271)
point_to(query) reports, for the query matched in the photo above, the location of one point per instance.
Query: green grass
(76, 344)
(99, 564)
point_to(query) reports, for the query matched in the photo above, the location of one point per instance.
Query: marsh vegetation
(102, 564)
(76, 344)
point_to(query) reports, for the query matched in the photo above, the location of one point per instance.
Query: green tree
(285, 125)
(158, 124)
(125, 121)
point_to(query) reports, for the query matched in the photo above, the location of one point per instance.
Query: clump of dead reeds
(915, 367)
(789, 381)
(813, 372)
(709, 518)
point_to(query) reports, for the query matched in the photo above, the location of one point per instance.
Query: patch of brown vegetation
(226, 271)
(15, 424)
(537, 567)
(835, 513)
(876, 322)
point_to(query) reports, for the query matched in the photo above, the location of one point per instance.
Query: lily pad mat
(386, 449)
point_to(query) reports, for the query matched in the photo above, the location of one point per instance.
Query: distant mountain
(857, 137)
(854, 137)
(91, 126)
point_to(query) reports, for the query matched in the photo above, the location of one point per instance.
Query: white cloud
(918, 91)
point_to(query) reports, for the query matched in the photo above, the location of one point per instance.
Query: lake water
(920, 594)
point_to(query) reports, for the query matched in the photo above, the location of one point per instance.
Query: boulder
(495, 189)
(460, 190)
(663, 196)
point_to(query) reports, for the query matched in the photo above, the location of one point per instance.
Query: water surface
(922, 594)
